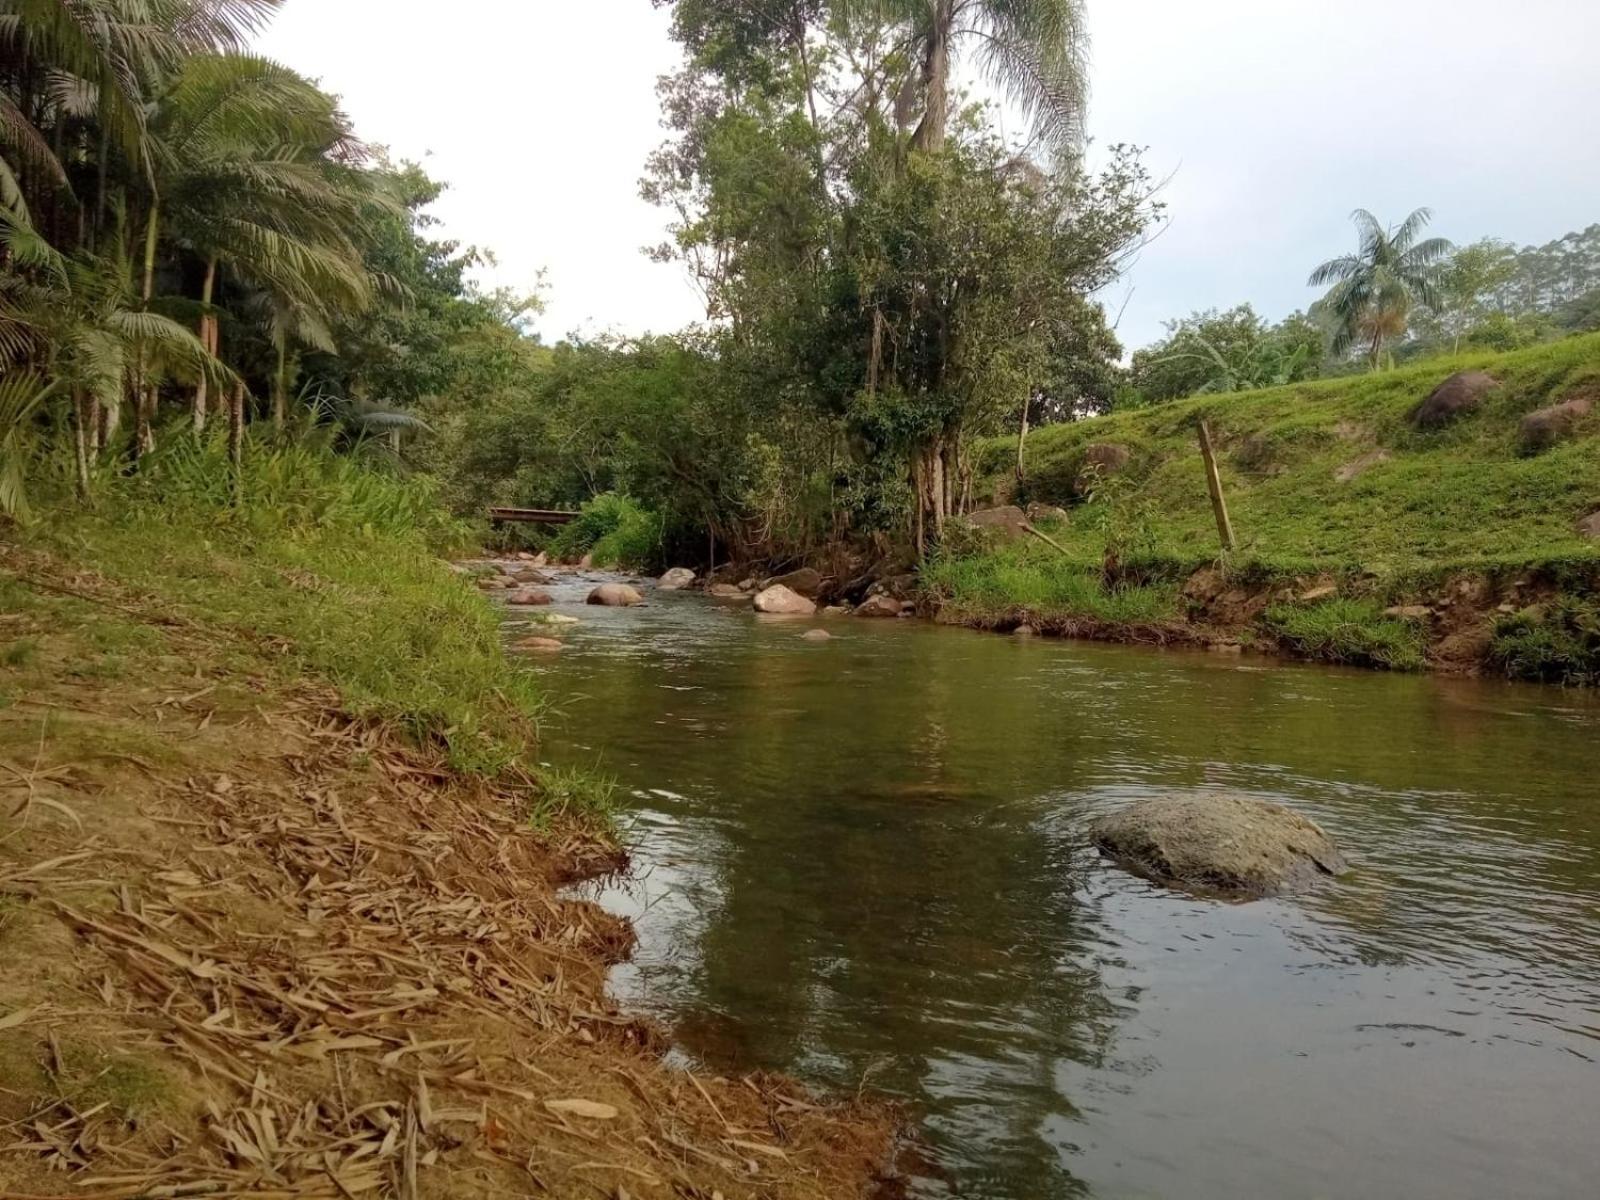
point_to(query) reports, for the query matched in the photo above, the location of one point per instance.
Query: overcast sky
(1274, 118)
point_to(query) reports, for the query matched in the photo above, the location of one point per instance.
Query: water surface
(865, 862)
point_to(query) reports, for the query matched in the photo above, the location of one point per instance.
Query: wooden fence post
(1219, 502)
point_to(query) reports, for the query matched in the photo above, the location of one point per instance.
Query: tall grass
(334, 564)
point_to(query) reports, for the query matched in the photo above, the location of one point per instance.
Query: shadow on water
(864, 862)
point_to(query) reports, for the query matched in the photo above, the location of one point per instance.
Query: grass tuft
(1355, 632)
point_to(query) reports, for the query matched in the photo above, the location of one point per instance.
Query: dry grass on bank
(254, 948)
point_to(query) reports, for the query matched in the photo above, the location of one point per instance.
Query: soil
(253, 948)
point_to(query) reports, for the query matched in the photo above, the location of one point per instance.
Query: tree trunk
(930, 134)
(82, 424)
(151, 236)
(280, 390)
(1377, 347)
(236, 431)
(208, 339)
(1022, 443)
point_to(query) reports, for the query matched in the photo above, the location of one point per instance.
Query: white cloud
(1278, 116)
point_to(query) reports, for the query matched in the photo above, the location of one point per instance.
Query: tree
(1469, 279)
(1374, 289)
(1035, 51)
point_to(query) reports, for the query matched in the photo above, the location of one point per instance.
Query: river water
(865, 862)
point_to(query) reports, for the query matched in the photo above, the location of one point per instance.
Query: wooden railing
(529, 516)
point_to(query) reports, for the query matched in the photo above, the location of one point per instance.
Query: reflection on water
(865, 861)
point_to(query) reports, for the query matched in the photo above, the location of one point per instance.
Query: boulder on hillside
(782, 601)
(529, 598)
(879, 606)
(1589, 526)
(806, 581)
(1008, 519)
(1237, 846)
(676, 579)
(1545, 427)
(1040, 513)
(615, 595)
(1100, 459)
(1462, 393)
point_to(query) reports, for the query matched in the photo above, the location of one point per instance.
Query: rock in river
(529, 597)
(1235, 845)
(615, 595)
(780, 600)
(816, 635)
(676, 579)
(879, 606)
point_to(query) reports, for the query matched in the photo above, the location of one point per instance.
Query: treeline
(1488, 295)
(886, 281)
(195, 245)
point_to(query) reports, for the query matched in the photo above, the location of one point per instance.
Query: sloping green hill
(1334, 473)
(1361, 536)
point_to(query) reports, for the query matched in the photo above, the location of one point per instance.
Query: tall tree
(1035, 51)
(1374, 289)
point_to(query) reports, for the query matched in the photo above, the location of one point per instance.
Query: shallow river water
(865, 861)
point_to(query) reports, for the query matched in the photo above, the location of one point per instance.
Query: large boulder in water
(1462, 393)
(615, 595)
(676, 579)
(880, 606)
(1233, 845)
(781, 601)
(529, 597)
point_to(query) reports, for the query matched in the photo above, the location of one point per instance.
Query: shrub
(616, 531)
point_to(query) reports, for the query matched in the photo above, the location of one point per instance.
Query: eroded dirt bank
(251, 948)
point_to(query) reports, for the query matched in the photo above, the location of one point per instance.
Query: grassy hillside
(1328, 483)
(1463, 495)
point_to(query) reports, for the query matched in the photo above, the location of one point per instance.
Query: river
(864, 862)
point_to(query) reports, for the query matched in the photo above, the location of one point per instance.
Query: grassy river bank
(1363, 537)
(281, 888)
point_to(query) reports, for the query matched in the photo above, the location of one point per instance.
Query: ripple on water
(869, 862)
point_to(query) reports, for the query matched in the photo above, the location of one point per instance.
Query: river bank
(286, 910)
(1443, 516)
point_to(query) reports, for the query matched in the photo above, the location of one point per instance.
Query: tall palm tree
(1035, 51)
(257, 171)
(1373, 289)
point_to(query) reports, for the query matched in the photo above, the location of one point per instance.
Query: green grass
(330, 571)
(1558, 644)
(616, 532)
(1032, 577)
(1349, 631)
(1462, 497)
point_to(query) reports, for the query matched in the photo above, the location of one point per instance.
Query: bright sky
(1274, 118)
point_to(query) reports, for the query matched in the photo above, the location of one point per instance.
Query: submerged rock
(676, 579)
(879, 606)
(816, 635)
(1235, 845)
(615, 595)
(531, 575)
(540, 645)
(781, 601)
(726, 591)
(1455, 397)
(530, 598)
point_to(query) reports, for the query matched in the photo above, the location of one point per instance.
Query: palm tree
(1035, 51)
(1374, 288)
(257, 172)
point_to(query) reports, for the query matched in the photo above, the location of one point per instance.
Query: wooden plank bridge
(530, 516)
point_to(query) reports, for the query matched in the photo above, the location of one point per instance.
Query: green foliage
(1559, 643)
(615, 531)
(1224, 352)
(1375, 288)
(1035, 580)
(1349, 631)
(338, 565)
(1465, 497)
(572, 791)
